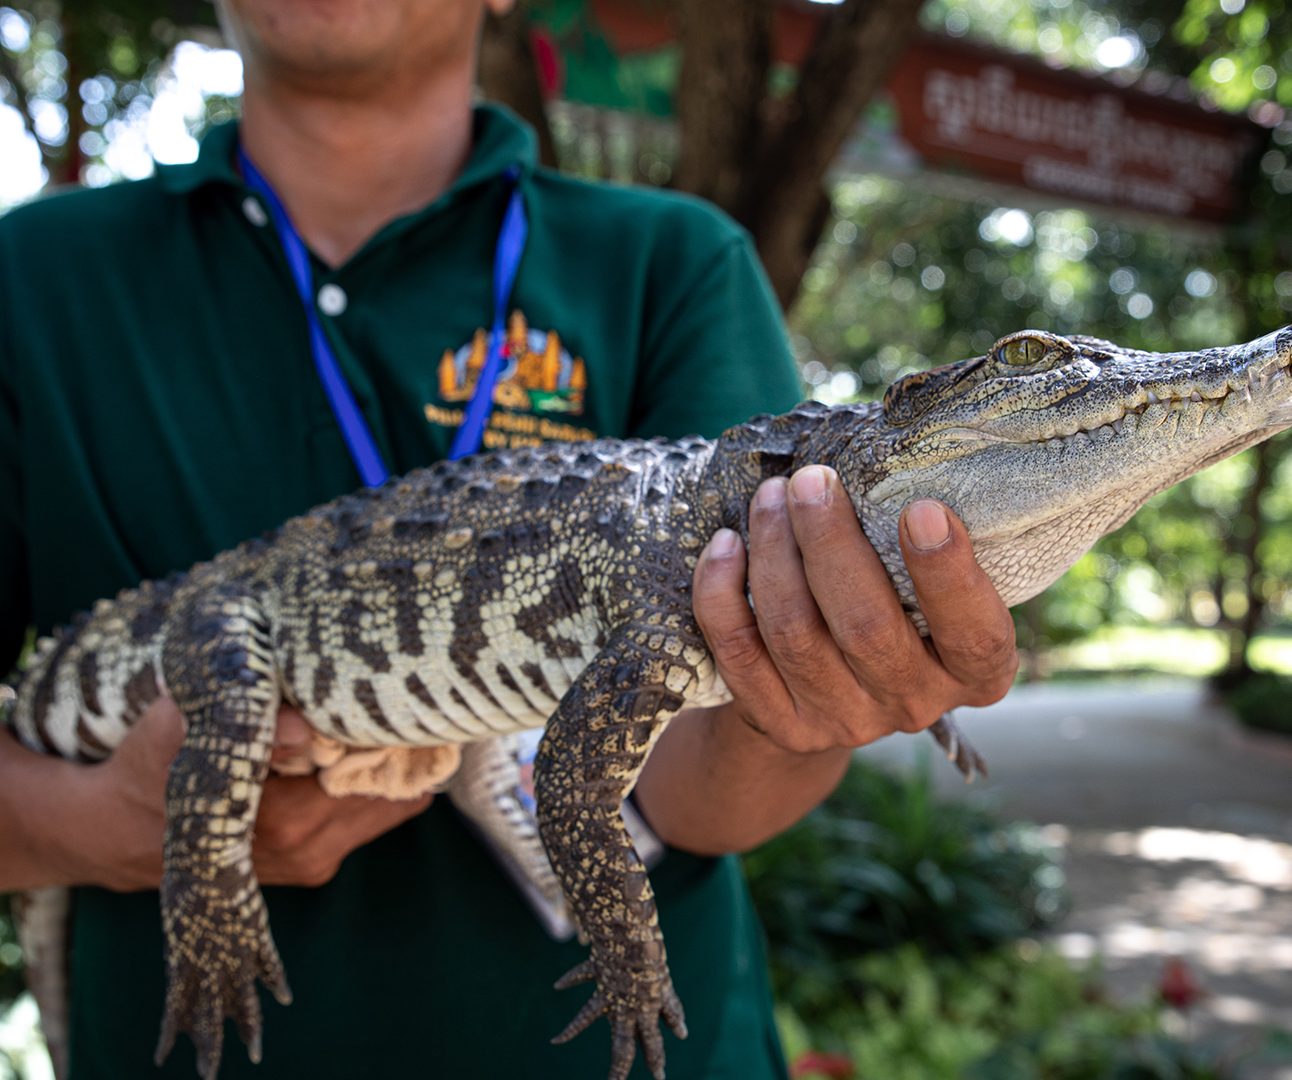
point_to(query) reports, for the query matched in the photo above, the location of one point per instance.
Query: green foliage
(10, 957)
(1018, 1013)
(884, 862)
(1241, 47)
(1263, 702)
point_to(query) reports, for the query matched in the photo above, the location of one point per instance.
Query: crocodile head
(1047, 443)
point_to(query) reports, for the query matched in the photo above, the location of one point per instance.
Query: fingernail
(810, 485)
(724, 544)
(927, 524)
(770, 494)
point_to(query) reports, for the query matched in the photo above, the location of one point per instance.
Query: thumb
(160, 730)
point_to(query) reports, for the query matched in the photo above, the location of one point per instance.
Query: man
(157, 404)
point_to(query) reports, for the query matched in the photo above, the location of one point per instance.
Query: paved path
(1176, 829)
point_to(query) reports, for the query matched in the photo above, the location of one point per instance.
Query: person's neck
(345, 167)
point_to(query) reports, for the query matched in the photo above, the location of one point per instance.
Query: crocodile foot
(217, 945)
(633, 1001)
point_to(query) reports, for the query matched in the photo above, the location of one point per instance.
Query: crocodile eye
(1022, 351)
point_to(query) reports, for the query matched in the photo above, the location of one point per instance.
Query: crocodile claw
(632, 1019)
(580, 973)
(959, 750)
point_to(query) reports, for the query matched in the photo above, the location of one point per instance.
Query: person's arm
(826, 661)
(63, 823)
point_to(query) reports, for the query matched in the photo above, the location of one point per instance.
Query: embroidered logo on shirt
(539, 382)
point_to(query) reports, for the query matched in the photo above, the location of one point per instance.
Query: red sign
(1008, 118)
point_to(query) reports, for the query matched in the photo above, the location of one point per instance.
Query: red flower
(815, 1063)
(1178, 987)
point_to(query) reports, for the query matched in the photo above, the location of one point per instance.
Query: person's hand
(827, 658)
(301, 834)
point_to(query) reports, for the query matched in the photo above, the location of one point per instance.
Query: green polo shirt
(158, 403)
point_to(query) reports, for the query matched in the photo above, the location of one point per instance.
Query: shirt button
(254, 211)
(332, 299)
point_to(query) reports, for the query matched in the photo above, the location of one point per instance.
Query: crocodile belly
(504, 681)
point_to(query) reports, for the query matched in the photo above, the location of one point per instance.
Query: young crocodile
(551, 587)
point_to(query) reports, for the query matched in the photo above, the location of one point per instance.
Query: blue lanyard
(354, 428)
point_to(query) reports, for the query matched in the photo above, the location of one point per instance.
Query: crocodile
(550, 587)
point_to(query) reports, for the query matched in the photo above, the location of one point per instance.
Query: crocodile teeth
(1153, 399)
(1117, 425)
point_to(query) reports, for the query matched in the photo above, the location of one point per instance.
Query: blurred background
(921, 178)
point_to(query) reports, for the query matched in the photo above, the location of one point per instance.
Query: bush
(1017, 1013)
(1264, 702)
(11, 984)
(883, 863)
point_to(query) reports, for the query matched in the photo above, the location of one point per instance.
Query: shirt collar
(499, 141)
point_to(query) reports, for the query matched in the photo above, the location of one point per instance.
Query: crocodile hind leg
(591, 753)
(218, 665)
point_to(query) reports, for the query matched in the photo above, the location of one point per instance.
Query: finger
(969, 624)
(855, 594)
(729, 626)
(159, 732)
(292, 736)
(302, 833)
(789, 620)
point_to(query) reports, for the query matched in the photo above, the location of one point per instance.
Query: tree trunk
(507, 75)
(857, 44)
(762, 159)
(1267, 455)
(720, 99)
(65, 166)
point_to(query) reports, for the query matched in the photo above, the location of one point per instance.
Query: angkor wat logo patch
(538, 374)
(539, 385)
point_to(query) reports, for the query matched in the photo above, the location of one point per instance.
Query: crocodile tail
(42, 919)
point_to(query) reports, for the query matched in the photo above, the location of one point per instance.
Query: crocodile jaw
(1041, 464)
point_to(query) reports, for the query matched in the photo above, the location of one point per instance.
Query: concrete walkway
(1176, 831)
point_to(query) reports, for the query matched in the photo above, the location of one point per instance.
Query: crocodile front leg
(591, 753)
(218, 665)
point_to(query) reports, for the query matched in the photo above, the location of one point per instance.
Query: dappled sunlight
(1220, 901)
(21, 1042)
(1212, 949)
(1263, 862)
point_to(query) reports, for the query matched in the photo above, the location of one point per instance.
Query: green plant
(1019, 1012)
(1264, 702)
(885, 862)
(11, 983)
